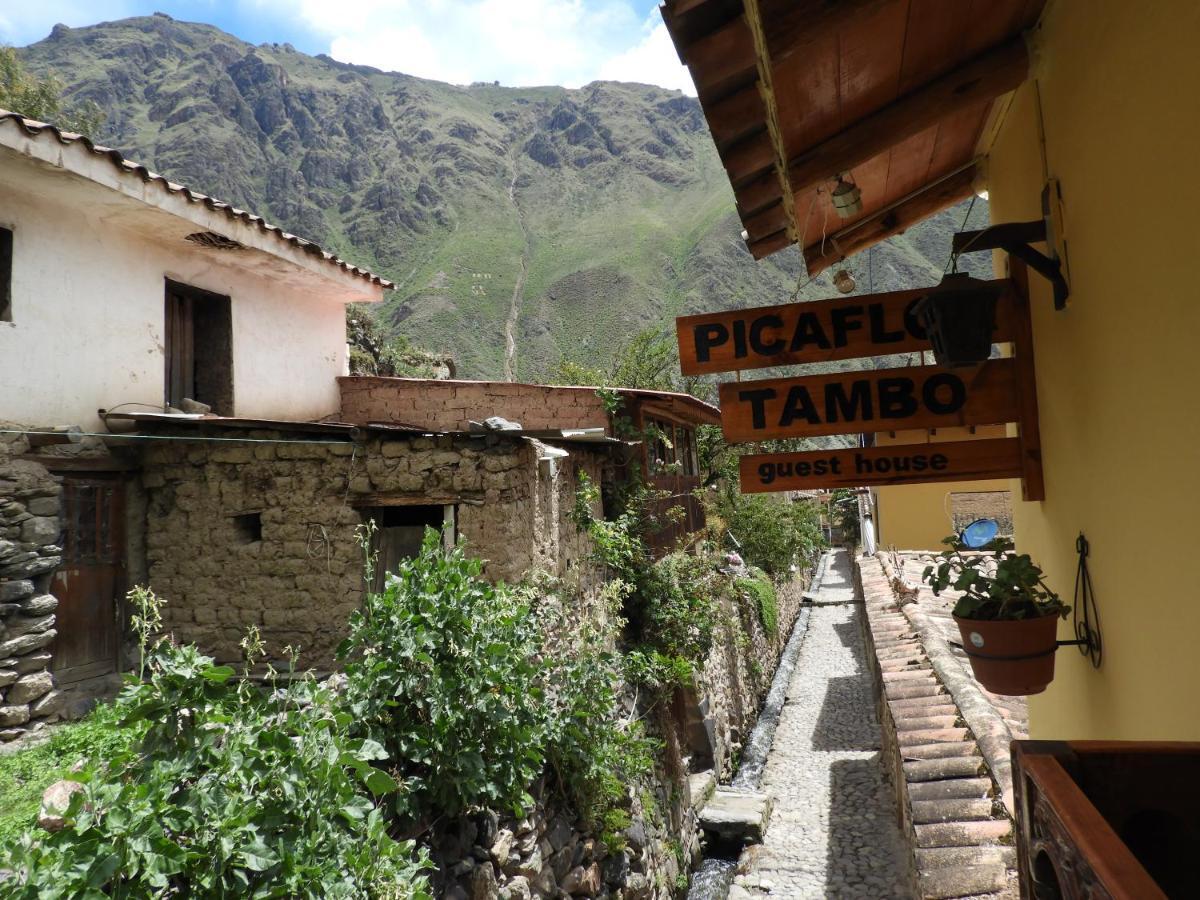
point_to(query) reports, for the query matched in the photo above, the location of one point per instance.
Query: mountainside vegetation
(522, 226)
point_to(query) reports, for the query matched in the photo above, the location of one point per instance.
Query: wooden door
(91, 578)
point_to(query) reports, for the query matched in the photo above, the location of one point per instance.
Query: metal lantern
(847, 199)
(959, 316)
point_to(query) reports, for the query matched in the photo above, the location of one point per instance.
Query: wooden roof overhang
(897, 93)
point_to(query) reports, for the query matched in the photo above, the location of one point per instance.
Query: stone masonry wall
(302, 580)
(452, 405)
(30, 499)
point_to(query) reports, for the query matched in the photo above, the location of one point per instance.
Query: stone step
(941, 751)
(930, 736)
(950, 789)
(925, 812)
(962, 834)
(920, 722)
(942, 857)
(938, 769)
(737, 816)
(909, 691)
(962, 881)
(700, 787)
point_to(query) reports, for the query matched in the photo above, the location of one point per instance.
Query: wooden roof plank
(796, 25)
(988, 75)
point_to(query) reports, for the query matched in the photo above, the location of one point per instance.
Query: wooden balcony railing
(1107, 819)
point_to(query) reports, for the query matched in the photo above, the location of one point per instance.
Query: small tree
(41, 98)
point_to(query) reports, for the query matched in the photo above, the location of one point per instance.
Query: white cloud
(515, 42)
(651, 61)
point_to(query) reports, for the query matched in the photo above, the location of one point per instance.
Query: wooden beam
(772, 243)
(794, 25)
(737, 116)
(721, 54)
(766, 222)
(758, 193)
(749, 157)
(985, 77)
(890, 222)
(1033, 482)
(995, 236)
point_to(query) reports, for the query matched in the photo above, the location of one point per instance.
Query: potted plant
(1008, 620)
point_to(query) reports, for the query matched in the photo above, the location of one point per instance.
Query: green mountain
(519, 224)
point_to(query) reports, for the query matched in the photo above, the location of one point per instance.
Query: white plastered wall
(88, 279)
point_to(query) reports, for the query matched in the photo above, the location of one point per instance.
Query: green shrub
(773, 534)
(441, 670)
(595, 753)
(679, 609)
(230, 791)
(762, 593)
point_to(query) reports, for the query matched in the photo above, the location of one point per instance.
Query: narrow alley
(833, 831)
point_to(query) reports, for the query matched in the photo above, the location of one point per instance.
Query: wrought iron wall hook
(1085, 617)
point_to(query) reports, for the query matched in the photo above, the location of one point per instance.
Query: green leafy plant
(771, 533)
(230, 790)
(41, 98)
(1015, 591)
(442, 671)
(761, 592)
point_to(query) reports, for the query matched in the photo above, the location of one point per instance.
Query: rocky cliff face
(568, 218)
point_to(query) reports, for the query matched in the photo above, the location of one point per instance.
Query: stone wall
(546, 855)
(452, 405)
(30, 499)
(300, 581)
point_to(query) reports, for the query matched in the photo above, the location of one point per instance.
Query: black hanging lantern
(959, 316)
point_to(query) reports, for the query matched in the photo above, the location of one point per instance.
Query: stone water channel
(816, 751)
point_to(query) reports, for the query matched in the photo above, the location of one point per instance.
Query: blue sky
(517, 42)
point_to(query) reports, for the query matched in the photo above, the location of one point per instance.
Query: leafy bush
(773, 534)
(762, 593)
(594, 751)
(231, 791)
(442, 671)
(25, 774)
(679, 606)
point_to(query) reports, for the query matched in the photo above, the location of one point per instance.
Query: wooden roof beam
(889, 222)
(994, 72)
(721, 54)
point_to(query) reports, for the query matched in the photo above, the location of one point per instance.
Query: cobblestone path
(833, 831)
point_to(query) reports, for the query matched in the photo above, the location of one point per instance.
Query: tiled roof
(45, 131)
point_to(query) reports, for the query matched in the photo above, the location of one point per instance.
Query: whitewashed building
(119, 287)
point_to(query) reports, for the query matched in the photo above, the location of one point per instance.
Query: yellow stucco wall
(917, 516)
(1118, 372)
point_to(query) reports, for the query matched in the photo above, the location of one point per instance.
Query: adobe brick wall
(452, 405)
(301, 582)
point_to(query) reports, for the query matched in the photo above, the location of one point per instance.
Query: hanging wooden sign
(817, 331)
(900, 464)
(869, 401)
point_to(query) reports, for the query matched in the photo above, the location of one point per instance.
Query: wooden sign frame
(869, 401)
(812, 332)
(899, 464)
(998, 391)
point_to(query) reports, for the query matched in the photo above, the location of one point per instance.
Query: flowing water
(712, 879)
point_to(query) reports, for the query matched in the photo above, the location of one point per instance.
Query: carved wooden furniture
(1107, 819)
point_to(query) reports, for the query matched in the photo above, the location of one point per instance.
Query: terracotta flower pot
(1014, 657)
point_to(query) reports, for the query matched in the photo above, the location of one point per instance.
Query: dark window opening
(399, 531)
(248, 528)
(6, 254)
(199, 348)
